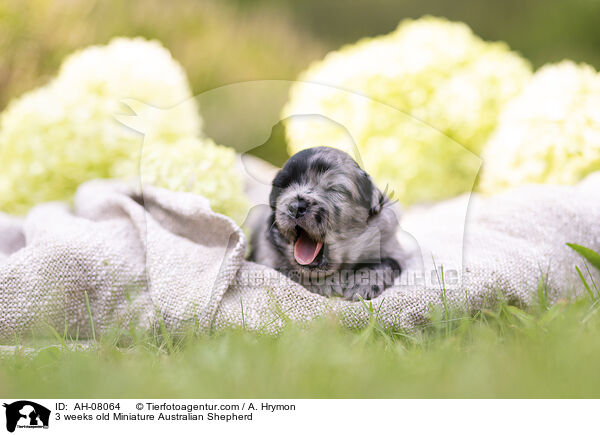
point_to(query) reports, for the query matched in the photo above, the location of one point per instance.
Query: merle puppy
(329, 227)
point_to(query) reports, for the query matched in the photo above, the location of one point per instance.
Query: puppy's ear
(275, 191)
(373, 198)
(281, 180)
(379, 200)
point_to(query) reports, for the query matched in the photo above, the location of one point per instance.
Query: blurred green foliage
(505, 352)
(542, 31)
(217, 42)
(226, 41)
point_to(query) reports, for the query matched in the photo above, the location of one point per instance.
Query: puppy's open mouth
(307, 252)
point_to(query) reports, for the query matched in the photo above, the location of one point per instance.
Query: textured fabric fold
(157, 256)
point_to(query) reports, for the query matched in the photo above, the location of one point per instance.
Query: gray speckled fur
(347, 212)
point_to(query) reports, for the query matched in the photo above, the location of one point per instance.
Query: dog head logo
(262, 127)
(26, 414)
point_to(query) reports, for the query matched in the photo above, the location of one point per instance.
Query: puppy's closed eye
(340, 189)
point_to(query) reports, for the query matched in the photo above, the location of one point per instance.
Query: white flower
(199, 166)
(54, 138)
(549, 133)
(434, 71)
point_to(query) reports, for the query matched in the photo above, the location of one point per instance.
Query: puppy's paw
(369, 281)
(366, 291)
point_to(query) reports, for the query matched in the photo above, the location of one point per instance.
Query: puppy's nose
(298, 207)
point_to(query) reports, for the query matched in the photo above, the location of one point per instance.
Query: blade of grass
(592, 279)
(243, 318)
(542, 294)
(585, 284)
(89, 310)
(165, 334)
(590, 255)
(444, 297)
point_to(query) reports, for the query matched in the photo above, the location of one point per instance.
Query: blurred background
(230, 41)
(226, 41)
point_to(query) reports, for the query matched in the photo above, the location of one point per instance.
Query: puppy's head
(323, 208)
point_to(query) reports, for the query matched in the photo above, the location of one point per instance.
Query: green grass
(505, 352)
(547, 350)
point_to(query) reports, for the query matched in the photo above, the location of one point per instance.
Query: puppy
(329, 227)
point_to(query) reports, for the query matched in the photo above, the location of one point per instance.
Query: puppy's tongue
(306, 250)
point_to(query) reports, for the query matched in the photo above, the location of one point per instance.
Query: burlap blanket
(163, 258)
